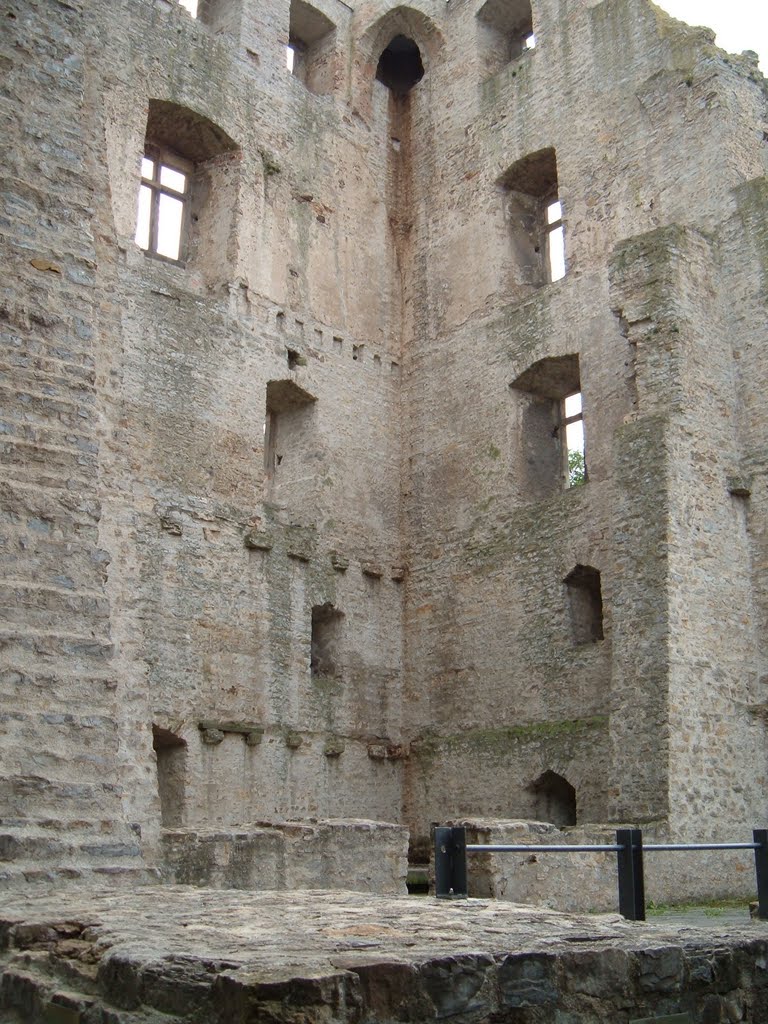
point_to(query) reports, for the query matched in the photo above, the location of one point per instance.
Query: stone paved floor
(319, 929)
(127, 946)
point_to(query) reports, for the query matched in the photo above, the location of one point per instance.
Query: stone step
(57, 798)
(30, 473)
(16, 847)
(96, 768)
(70, 694)
(56, 563)
(67, 461)
(26, 875)
(34, 604)
(40, 346)
(46, 515)
(45, 408)
(65, 826)
(54, 433)
(50, 644)
(44, 366)
(52, 988)
(41, 371)
(58, 743)
(55, 384)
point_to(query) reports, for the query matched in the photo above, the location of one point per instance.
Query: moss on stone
(499, 740)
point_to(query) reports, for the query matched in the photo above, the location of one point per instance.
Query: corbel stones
(258, 540)
(385, 751)
(214, 732)
(739, 486)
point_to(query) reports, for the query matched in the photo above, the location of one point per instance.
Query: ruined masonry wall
(352, 249)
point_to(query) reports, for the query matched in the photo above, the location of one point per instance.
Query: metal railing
(451, 849)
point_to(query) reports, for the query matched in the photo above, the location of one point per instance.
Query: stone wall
(361, 856)
(588, 881)
(342, 406)
(179, 954)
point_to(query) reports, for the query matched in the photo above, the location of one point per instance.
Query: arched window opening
(585, 604)
(187, 193)
(400, 66)
(505, 32)
(552, 442)
(554, 799)
(533, 214)
(326, 640)
(171, 754)
(309, 54)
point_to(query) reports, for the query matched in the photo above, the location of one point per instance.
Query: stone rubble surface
(192, 955)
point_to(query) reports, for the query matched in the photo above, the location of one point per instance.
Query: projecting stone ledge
(341, 958)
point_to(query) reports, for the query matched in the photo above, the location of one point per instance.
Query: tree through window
(573, 425)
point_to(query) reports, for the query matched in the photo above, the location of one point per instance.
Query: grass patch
(711, 908)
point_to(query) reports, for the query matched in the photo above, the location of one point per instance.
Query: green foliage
(577, 468)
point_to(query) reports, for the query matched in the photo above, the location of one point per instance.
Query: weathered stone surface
(190, 954)
(363, 856)
(360, 359)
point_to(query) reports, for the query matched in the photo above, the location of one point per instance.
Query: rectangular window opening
(162, 208)
(325, 643)
(585, 601)
(290, 58)
(573, 423)
(555, 241)
(287, 427)
(270, 443)
(190, 5)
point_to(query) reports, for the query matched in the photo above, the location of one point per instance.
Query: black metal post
(450, 863)
(760, 836)
(631, 880)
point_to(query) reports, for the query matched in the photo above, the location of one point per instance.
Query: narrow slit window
(555, 241)
(271, 459)
(290, 58)
(162, 206)
(573, 423)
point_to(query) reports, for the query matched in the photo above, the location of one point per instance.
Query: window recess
(533, 217)
(551, 452)
(188, 189)
(504, 33)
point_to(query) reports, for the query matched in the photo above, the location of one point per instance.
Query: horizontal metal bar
(610, 848)
(545, 849)
(700, 846)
